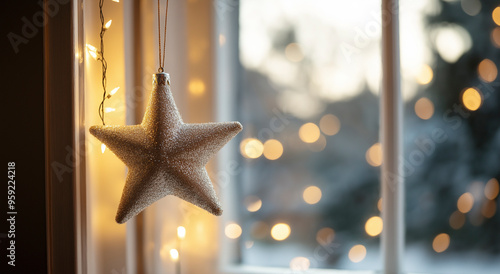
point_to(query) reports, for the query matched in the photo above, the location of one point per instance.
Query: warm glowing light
(117, 1)
(457, 220)
(300, 264)
(325, 236)
(273, 149)
(93, 54)
(329, 124)
(108, 24)
(293, 52)
(491, 189)
(196, 87)
(379, 204)
(472, 99)
(425, 76)
(280, 231)
(441, 242)
(222, 39)
(495, 37)
(251, 148)
(174, 254)
(309, 133)
(312, 195)
(374, 226)
(113, 91)
(487, 71)
(233, 231)
(253, 203)
(108, 110)
(92, 51)
(465, 202)
(181, 232)
(424, 108)
(90, 47)
(357, 253)
(374, 155)
(496, 15)
(103, 148)
(489, 208)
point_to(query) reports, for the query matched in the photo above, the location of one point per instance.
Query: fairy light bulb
(108, 24)
(92, 51)
(181, 232)
(108, 110)
(103, 148)
(112, 92)
(174, 254)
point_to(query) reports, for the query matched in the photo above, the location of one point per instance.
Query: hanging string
(162, 61)
(104, 64)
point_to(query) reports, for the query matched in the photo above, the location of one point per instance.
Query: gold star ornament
(165, 156)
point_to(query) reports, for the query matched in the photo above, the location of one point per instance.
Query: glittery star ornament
(165, 156)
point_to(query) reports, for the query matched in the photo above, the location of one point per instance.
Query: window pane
(450, 54)
(309, 105)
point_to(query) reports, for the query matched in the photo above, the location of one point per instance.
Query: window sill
(245, 269)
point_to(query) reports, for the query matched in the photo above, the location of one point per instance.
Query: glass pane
(452, 124)
(309, 105)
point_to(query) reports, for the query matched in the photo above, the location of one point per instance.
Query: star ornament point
(166, 156)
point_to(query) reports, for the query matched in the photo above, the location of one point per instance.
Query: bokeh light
(312, 195)
(325, 236)
(174, 254)
(251, 148)
(309, 133)
(280, 231)
(441, 242)
(196, 87)
(357, 253)
(374, 155)
(489, 208)
(472, 99)
(181, 232)
(425, 75)
(424, 108)
(253, 203)
(457, 220)
(293, 52)
(300, 264)
(471, 7)
(273, 149)
(465, 202)
(487, 71)
(491, 189)
(329, 124)
(496, 15)
(374, 226)
(379, 204)
(495, 37)
(233, 231)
